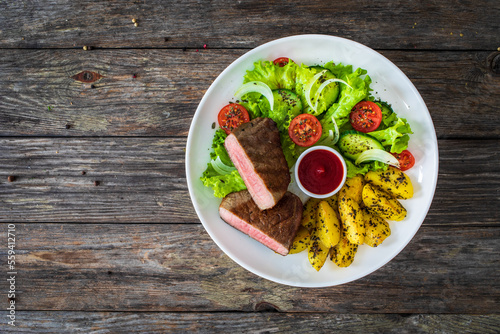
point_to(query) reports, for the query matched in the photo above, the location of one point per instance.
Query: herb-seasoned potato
(333, 201)
(301, 240)
(352, 220)
(382, 204)
(376, 229)
(328, 225)
(392, 181)
(353, 187)
(309, 215)
(317, 252)
(343, 253)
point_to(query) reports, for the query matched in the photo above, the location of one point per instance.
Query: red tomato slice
(281, 61)
(406, 160)
(305, 130)
(366, 116)
(232, 116)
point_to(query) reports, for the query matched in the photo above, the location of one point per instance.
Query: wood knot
(87, 76)
(265, 307)
(494, 63)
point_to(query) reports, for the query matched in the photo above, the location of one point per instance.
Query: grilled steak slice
(255, 150)
(275, 228)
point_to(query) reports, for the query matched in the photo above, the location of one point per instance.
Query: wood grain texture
(139, 179)
(470, 24)
(175, 267)
(260, 322)
(143, 180)
(39, 97)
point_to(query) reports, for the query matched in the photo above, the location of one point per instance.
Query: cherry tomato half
(406, 160)
(305, 130)
(232, 116)
(281, 61)
(366, 116)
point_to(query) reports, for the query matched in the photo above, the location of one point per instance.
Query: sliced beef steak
(255, 149)
(276, 227)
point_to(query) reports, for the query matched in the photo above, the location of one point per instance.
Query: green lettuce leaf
(221, 184)
(218, 148)
(274, 76)
(290, 149)
(255, 104)
(353, 170)
(393, 132)
(283, 111)
(395, 137)
(358, 90)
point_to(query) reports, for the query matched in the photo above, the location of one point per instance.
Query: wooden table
(94, 140)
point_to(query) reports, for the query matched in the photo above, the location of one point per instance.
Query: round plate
(389, 84)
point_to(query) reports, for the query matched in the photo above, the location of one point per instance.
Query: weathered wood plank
(143, 180)
(260, 322)
(399, 24)
(139, 179)
(175, 267)
(39, 97)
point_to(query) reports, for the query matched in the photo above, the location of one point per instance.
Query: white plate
(389, 84)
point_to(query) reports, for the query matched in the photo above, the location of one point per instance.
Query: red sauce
(320, 172)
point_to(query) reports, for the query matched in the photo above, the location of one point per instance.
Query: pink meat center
(253, 232)
(258, 190)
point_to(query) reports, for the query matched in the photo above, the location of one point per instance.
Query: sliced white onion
(328, 141)
(332, 138)
(221, 167)
(309, 86)
(378, 155)
(258, 87)
(323, 85)
(337, 132)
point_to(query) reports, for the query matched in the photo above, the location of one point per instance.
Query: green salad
(337, 95)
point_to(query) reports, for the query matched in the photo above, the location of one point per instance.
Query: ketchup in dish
(321, 172)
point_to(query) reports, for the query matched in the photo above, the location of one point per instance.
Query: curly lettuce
(356, 90)
(283, 112)
(393, 133)
(221, 184)
(274, 76)
(353, 169)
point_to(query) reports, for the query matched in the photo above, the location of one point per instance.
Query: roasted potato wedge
(317, 252)
(382, 204)
(333, 200)
(353, 187)
(301, 240)
(343, 253)
(352, 220)
(376, 229)
(309, 215)
(392, 181)
(328, 225)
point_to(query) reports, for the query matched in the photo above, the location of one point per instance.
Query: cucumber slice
(306, 87)
(353, 143)
(288, 99)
